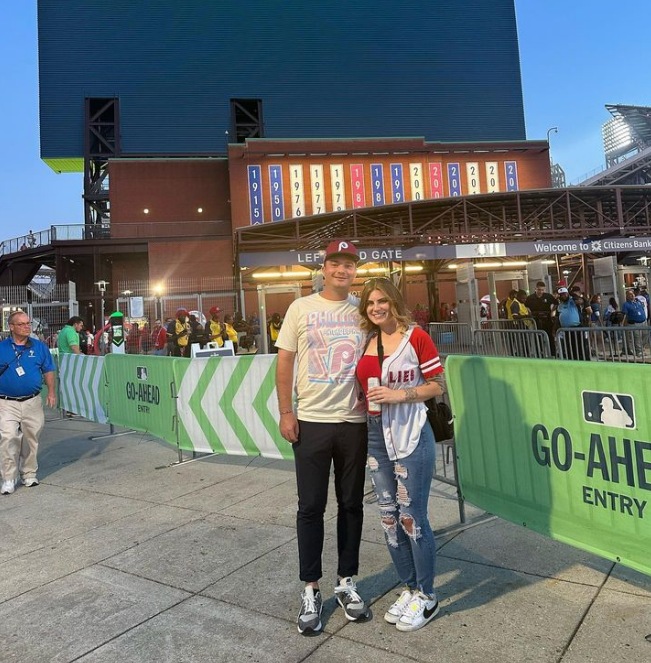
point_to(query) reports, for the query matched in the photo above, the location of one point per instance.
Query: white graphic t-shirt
(328, 342)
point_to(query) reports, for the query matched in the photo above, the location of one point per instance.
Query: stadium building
(223, 144)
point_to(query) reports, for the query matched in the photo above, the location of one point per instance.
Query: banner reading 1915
(561, 447)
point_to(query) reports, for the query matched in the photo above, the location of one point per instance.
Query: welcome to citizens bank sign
(563, 451)
(454, 251)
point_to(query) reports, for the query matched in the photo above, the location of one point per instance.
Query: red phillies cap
(214, 310)
(341, 247)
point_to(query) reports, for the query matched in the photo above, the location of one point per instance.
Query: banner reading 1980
(561, 447)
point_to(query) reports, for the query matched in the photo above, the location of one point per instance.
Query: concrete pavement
(122, 555)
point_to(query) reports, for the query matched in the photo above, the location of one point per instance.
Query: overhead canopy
(522, 216)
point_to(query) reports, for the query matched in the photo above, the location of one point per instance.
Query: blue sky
(575, 56)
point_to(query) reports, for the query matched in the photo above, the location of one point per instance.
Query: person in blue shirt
(635, 314)
(570, 311)
(25, 363)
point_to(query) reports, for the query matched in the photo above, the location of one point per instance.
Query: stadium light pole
(102, 290)
(555, 130)
(158, 293)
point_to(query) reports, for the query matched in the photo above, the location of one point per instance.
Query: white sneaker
(392, 615)
(7, 487)
(420, 611)
(30, 482)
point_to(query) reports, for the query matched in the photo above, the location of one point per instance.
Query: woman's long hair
(396, 303)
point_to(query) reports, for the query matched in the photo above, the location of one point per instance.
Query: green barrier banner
(229, 405)
(562, 447)
(80, 381)
(138, 393)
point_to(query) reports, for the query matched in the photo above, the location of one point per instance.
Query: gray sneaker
(309, 618)
(348, 598)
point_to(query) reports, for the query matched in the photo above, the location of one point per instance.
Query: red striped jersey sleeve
(428, 356)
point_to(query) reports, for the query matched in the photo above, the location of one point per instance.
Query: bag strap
(380, 348)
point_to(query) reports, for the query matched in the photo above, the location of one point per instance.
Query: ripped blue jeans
(402, 488)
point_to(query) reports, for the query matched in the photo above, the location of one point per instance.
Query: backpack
(441, 419)
(616, 318)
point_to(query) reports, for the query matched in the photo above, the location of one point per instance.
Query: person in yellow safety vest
(215, 328)
(178, 333)
(274, 328)
(508, 302)
(230, 331)
(519, 311)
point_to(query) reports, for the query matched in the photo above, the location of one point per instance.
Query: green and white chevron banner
(80, 379)
(229, 405)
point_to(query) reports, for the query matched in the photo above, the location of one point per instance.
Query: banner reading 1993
(563, 451)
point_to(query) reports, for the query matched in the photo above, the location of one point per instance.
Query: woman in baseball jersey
(401, 443)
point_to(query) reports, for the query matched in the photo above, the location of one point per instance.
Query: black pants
(319, 446)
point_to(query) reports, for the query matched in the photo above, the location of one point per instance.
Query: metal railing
(531, 343)
(630, 344)
(79, 232)
(520, 323)
(627, 344)
(451, 337)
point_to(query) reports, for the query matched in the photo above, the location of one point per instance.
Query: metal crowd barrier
(529, 323)
(451, 337)
(626, 344)
(531, 343)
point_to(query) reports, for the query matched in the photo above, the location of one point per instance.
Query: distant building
(558, 176)
(627, 147)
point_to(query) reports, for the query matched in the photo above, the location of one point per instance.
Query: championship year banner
(377, 184)
(337, 187)
(357, 185)
(276, 192)
(472, 177)
(563, 451)
(436, 180)
(397, 184)
(454, 179)
(511, 171)
(296, 187)
(256, 214)
(416, 181)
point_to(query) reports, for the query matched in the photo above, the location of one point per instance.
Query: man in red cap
(322, 332)
(215, 330)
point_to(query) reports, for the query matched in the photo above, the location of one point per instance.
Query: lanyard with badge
(20, 371)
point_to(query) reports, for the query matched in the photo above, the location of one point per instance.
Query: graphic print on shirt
(402, 377)
(334, 341)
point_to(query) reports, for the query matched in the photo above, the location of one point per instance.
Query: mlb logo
(609, 409)
(141, 372)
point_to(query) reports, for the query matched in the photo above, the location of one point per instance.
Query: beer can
(374, 408)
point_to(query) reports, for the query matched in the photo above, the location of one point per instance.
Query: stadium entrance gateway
(609, 278)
